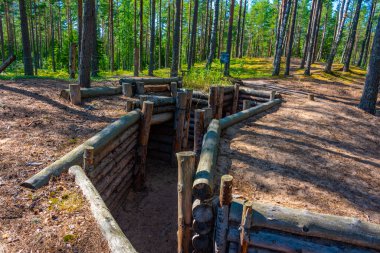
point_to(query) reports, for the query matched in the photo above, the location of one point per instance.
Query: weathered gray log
(305, 223)
(186, 170)
(120, 197)
(179, 121)
(199, 102)
(208, 116)
(189, 94)
(75, 96)
(7, 62)
(201, 243)
(125, 173)
(248, 104)
(111, 231)
(127, 89)
(291, 243)
(243, 115)
(272, 95)
(235, 99)
(257, 93)
(145, 122)
(150, 80)
(140, 88)
(160, 118)
(88, 159)
(199, 128)
(94, 92)
(203, 183)
(165, 108)
(74, 157)
(202, 211)
(156, 88)
(173, 89)
(250, 97)
(158, 100)
(200, 95)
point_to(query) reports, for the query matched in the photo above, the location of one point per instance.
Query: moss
(69, 237)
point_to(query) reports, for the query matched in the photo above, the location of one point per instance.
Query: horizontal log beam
(75, 157)
(150, 80)
(160, 118)
(94, 92)
(257, 93)
(200, 95)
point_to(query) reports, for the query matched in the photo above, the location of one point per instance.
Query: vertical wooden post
(140, 88)
(180, 84)
(179, 121)
(199, 127)
(189, 95)
(173, 89)
(88, 159)
(272, 95)
(186, 171)
(146, 117)
(130, 106)
(235, 100)
(219, 106)
(72, 61)
(127, 89)
(75, 96)
(212, 100)
(245, 226)
(246, 104)
(225, 198)
(208, 116)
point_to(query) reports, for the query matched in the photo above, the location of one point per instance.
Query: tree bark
(141, 35)
(111, 37)
(371, 86)
(176, 39)
(229, 38)
(365, 43)
(136, 51)
(214, 35)
(94, 51)
(320, 52)
(152, 37)
(27, 57)
(193, 40)
(80, 27)
(307, 39)
(237, 46)
(168, 37)
(160, 35)
(291, 37)
(52, 38)
(241, 47)
(87, 43)
(351, 39)
(2, 39)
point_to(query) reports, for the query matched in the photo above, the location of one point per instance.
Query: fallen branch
(7, 62)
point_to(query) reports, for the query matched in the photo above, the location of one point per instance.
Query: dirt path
(318, 155)
(149, 218)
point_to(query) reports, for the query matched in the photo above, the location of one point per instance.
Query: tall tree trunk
(27, 56)
(238, 31)
(319, 56)
(176, 39)
(221, 28)
(315, 43)
(87, 43)
(214, 35)
(9, 28)
(152, 36)
(2, 39)
(280, 40)
(136, 60)
(111, 37)
(307, 39)
(193, 37)
(160, 35)
(367, 37)
(52, 38)
(94, 49)
(241, 47)
(141, 35)
(229, 38)
(168, 38)
(351, 38)
(204, 51)
(338, 36)
(371, 86)
(291, 37)
(80, 27)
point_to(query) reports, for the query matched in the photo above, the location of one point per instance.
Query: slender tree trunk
(319, 56)
(27, 56)
(214, 35)
(111, 36)
(237, 49)
(2, 39)
(152, 36)
(136, 60)
(338, 37)
(52, 38)
(241, 47)
(280, 40)
(193, 37)
(160, 35)
(176, 39)
(94, 49)
(291, 37)
(229, 38)
(204, 51)
(315, 43)
(87, 43)
(371, 86)
(141, 35)
(9, 28)
(80, 27)
(365, 43)
(351, 39)
(221, 28)
(307, 39)
(168, 38)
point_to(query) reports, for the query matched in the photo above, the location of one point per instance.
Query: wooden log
(173, 89)
(185, 140)
(305, 223)
(235, 99)
(75, 96)
(161, 118)
(180, 84)
(127, 89)
(158, 100)
(290, 243)
(272, 95)
(228, 89)
(197, 102)
(256, 99)
(125, 174)
(165, 108)
(203, 217)
(130, 106)
(156, 88)
(200, 95)
(140, 88)
(88, 159)
(179, 121)
(202, 228)
(117, 241)
(310, 97)
(150, 80)
(247, 104)
(201, 243)
(257, 93)
(208, 116)
(219, 105)
(7, 62)
(203, 183)
(186, 170)
(245, 226)
(120, 197)
(74, 157)
(199, 128)
(94, 92)
(228, 97)
(245, 114)
(146, 118)
(213, 100)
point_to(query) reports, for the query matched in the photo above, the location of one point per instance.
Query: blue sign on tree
(224, 58)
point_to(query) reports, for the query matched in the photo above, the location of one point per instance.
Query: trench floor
(149, 217)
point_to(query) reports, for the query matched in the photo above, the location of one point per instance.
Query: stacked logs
(157, 86)
(249, 97)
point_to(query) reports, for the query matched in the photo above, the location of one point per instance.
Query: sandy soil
(321, 155)
(37, 127)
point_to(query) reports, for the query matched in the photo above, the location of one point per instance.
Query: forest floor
(317, 155)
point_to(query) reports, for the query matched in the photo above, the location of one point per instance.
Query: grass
(200, 78)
